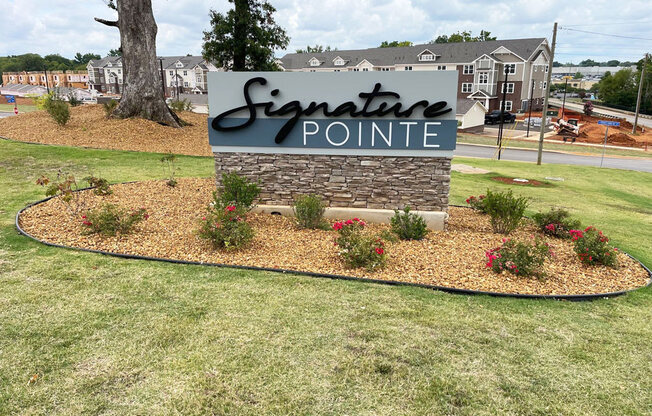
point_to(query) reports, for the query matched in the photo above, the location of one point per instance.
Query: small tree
(588, 108)
(245, 37)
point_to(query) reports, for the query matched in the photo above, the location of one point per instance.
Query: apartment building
(480, 66)
(181, 74)
(54, 79)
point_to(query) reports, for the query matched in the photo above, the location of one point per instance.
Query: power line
(629, 22)
(605, 34)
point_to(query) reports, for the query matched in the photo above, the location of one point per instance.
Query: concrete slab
(435, 220)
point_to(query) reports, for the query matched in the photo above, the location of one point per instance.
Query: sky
(67, 26)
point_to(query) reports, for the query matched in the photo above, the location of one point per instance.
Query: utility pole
(547, 93)
(47, 84)
(640, 90)
(529, 117)
(563, 104)
(502, 113)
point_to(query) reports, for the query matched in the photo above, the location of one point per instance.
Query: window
(545, 84)
(508, 105)
(365, 69)
(119, 71)
(179, 65)
(441, 67)
(56, 77)
(384, 69)
(427, 57)
(510, 68)
(484, 64)
(171, 73)
(312, 70)
(408, 68)
(198, 79)
(339, 62)
(31, 77)
(185, 73)
(467, 87)
(185, 84)
(536, 68)
(21, 77)
(42, 77)
(546, 69)
(483, 78)
(356, 69)
(468, 69)
(510, 88)
(337, 70)
(314, 62)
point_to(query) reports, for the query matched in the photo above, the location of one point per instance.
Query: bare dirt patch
(452, 258)
(88, 127)
(513, 181)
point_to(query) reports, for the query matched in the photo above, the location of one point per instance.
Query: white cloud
(67, 26)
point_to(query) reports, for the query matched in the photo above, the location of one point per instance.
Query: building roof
(169, 62)
(460, 52)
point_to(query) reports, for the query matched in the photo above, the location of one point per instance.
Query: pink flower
(356, 219)
(348, 222)
(337, 226)
(550, 227)
(146, 216)
(203, 218)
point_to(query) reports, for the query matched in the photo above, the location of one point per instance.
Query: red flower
(146, 216)
(362, 223)
(84, 216)
(356, 219)
(337, 226)
(203, 218)
(230, 208)
(550, 227)
(379, 250)
(348, 222)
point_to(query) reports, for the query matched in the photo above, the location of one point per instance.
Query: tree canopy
(244, 38)
(316, 49)
(395, 43)
(52, 62)
(465, 36)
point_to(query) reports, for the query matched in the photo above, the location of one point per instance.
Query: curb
(585, 297)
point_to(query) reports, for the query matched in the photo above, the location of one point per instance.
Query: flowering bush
(110, 220)
(357, 249)
(477, 203)
(505, 209)
(592, 247)
(556, 222)
(409, 226)
(226, 227)
(519, 258)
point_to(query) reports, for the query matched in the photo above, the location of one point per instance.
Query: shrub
(505, 210)
(180, 105)
(519, 258)
(226, 228)
(59, 111)
(236, 190)
(309, 211)
(357, 249)
(110, 220)
(169, 168)
(477, 203)
(100, 185)
(556, 222)
(73, 100)
(109, 107)
(408, 225)
(592, 247)
(43, 102)
(65, 187)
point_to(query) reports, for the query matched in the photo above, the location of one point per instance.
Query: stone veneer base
(376, 182)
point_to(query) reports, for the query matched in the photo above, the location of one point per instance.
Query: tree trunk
(142, 95)
(240, 33)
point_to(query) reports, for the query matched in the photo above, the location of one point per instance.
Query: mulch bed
(511, 181)
(89, 127)
(452, 258)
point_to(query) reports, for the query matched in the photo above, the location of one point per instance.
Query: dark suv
(494, 117)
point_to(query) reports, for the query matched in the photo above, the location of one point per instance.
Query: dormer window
(338, 61)
(427, 57)
(179, 65)
(314, 62)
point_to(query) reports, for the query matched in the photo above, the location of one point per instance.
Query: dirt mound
(621, 139)
(88, 127)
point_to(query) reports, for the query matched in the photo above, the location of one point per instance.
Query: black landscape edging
(585, 297)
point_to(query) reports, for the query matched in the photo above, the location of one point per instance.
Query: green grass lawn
(571, 148)
(9, 108)
(112, 336)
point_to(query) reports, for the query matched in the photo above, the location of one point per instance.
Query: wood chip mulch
(89, 127)
(453, 258)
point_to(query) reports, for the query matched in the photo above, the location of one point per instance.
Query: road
(629, 117)
(524, 155)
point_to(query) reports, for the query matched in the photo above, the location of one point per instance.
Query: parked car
(494, 117)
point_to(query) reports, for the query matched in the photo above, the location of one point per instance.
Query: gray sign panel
(401, 113)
